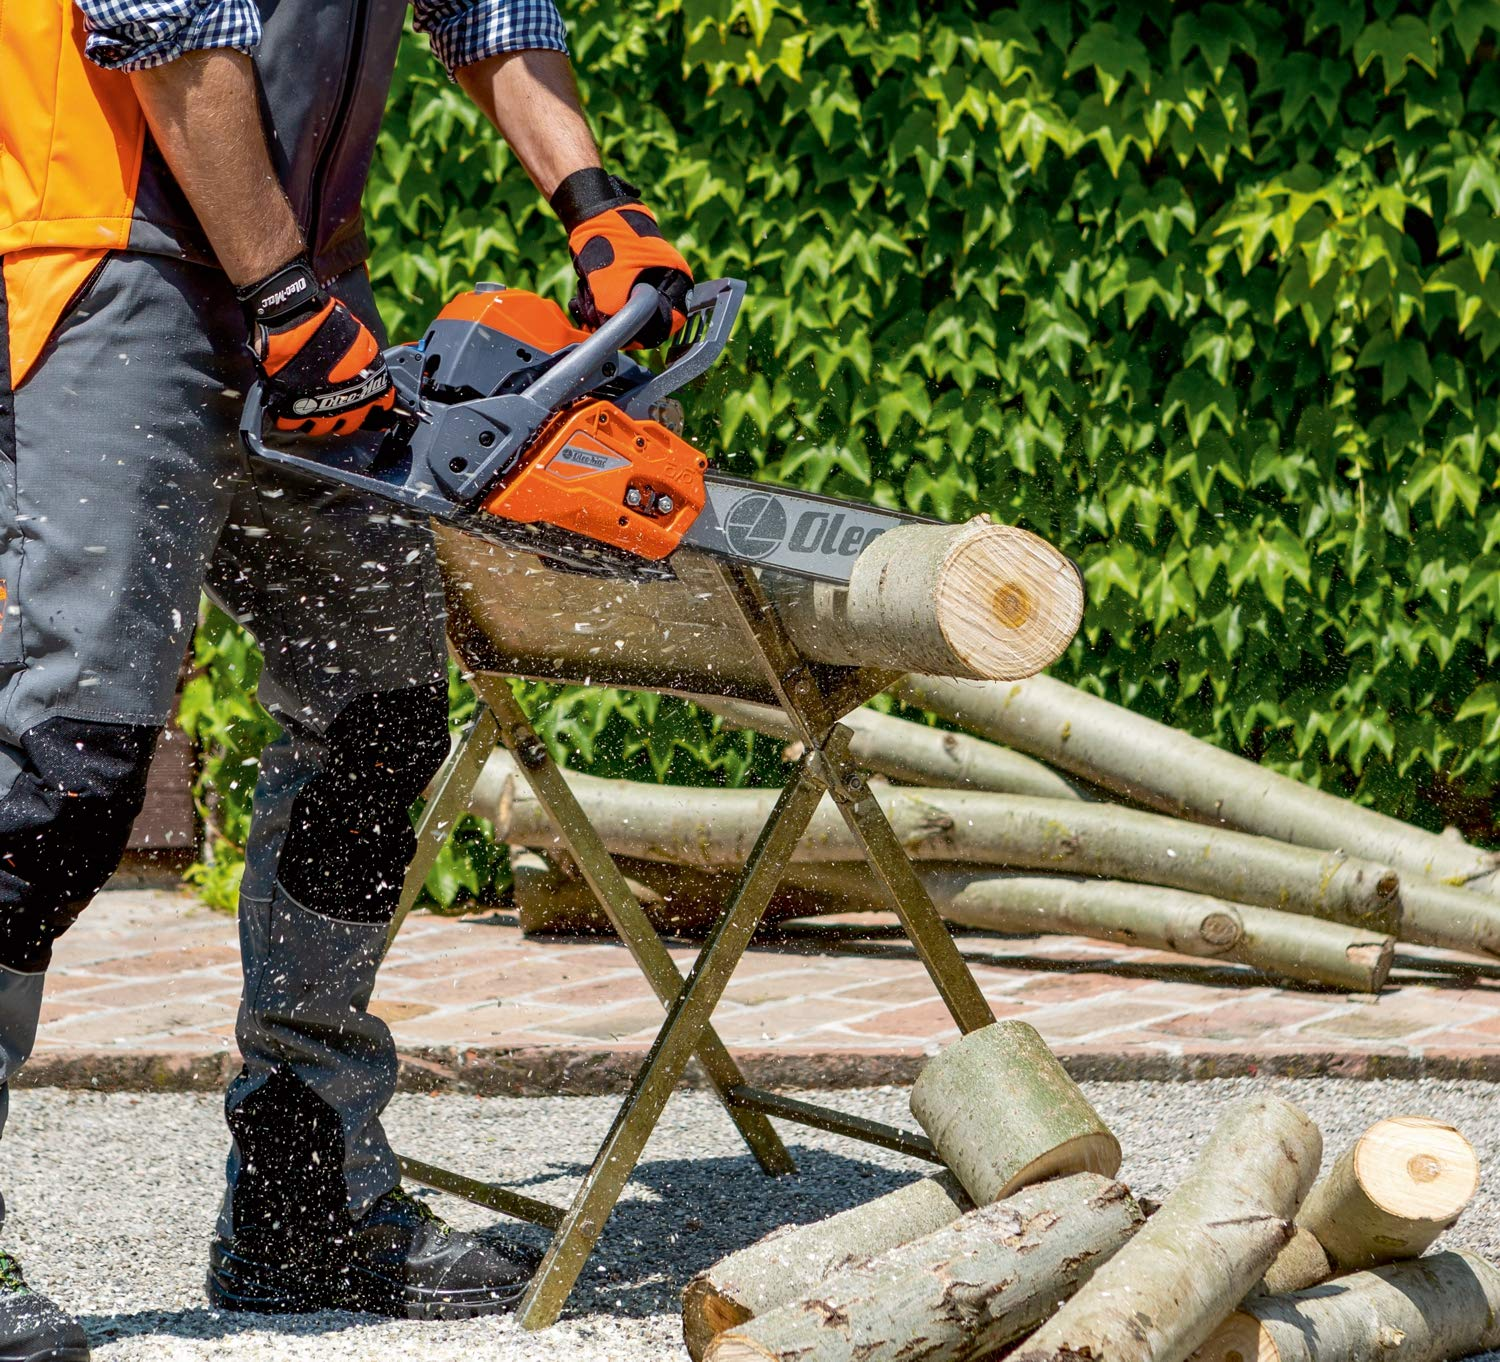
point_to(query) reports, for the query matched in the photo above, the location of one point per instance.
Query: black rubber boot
(400, 1260)
(32, 1328)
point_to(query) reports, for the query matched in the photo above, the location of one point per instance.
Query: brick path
(143, 994)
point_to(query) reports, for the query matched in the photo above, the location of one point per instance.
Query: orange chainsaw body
(632, 484)
(593, 470)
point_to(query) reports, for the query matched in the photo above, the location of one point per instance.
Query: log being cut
(719, 828)
(1003, 1113)
(792, 1261)
(975, 600)
(1167, 1290)
(1424, 1310)
(977, 1284)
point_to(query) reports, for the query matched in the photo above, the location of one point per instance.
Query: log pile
(1055, 813)
(1028, 1246)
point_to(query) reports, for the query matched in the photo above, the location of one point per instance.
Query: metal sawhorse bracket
(814, 697)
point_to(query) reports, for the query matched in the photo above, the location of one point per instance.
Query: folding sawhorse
(510, 615)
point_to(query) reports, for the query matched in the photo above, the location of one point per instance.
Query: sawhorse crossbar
(814, 697)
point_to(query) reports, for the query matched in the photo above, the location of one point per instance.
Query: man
(179, 205)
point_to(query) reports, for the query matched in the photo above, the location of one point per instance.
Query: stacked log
(1197, 1257)
(1448, 887)
(1026, 1248)
(1400, 1186)
(1424, 1310)
(1206, 856)
(790, 1262)
(681, 848)
(977, 1285)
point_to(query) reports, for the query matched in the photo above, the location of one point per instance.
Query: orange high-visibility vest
(80, 174)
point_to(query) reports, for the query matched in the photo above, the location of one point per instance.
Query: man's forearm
(204, 113)
(531, 98)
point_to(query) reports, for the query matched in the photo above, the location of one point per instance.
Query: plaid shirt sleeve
(463, 32)
(134, 35)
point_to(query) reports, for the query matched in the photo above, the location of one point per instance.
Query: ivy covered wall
(1204, 292)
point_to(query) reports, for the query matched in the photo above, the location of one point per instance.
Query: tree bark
(974, 1286)
(1162, 768)
(686, 902)
(1314, 951)
(792, 1261)
(915, 754)
(1300, 1264)
(1165, 1292)
(973, 600)
(1392, 1193)
(718, 828)
(1003, 1113)
(1425, 1310)
(1434, 914)
(678, 900)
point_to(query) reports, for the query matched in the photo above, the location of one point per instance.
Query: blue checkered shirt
(133, 35)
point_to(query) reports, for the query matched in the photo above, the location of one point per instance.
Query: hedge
(1202, 292)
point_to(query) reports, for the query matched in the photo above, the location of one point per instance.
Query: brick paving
(144, 988)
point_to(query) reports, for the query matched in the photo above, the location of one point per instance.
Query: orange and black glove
(324, 373)
(617, 244)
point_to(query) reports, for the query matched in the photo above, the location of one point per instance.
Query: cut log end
(706, 1314)
(732, 1348)
(1241, 1338)
(1096, 1152)
(1417, 1169)
(1008, 602)
(1374, 958)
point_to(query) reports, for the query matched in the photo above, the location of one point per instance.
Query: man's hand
(323, 371)
(530, 96)
(617, 244)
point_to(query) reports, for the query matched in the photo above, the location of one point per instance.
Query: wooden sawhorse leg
(686, 1024)
(814, 699)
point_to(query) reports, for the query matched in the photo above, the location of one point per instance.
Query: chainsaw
(515, 426)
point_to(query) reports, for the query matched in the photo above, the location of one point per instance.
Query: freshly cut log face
(1167, 1290)
(1424, 1310)
(1003, 1113)
(792, 1261)
(1403, 1183)
(974, 600)
(960, 1292)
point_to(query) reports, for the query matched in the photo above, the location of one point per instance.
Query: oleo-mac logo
(757, 527)
(298, 285)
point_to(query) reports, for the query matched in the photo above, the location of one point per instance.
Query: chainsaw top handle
(711, 310)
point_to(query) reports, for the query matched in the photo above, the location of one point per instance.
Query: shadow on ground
(681, 1216)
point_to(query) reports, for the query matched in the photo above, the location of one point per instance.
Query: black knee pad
(64, 826)
(350, 833)
(291, 1162)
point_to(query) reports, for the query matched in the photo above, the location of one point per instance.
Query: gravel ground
(112, 1197)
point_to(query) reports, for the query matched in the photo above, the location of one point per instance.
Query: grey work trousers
(123, 492)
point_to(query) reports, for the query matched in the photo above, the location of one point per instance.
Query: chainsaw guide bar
(518, 428)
